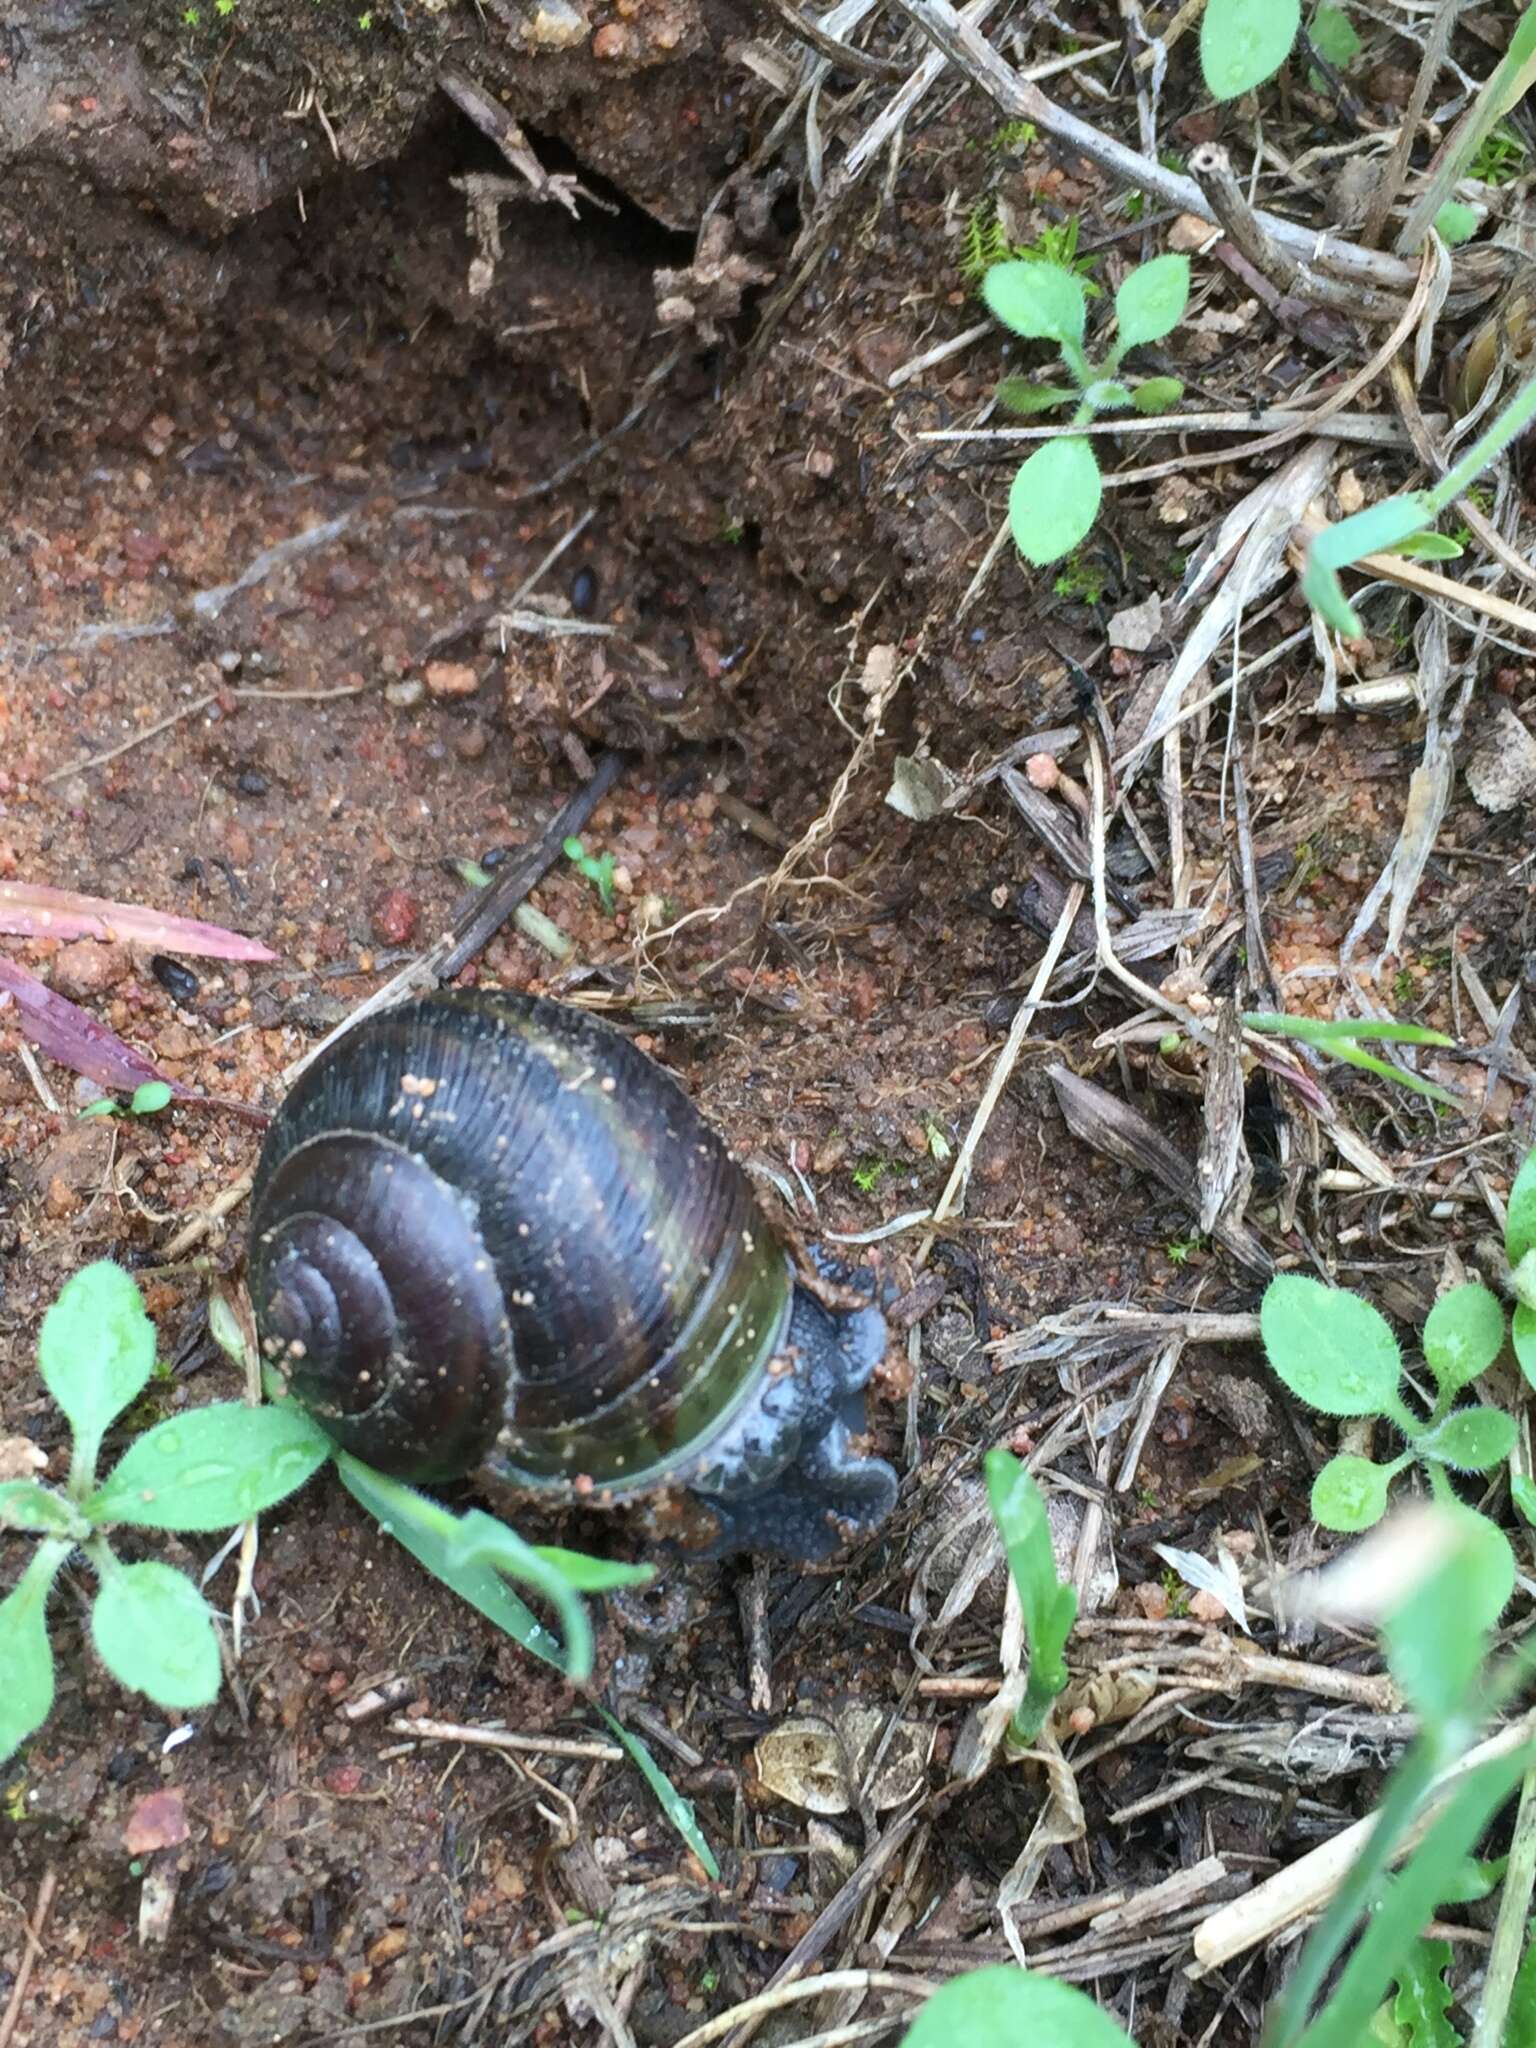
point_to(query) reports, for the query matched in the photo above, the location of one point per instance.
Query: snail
(490, 1238)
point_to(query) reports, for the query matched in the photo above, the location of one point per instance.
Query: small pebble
(584, 591)
(394, 917)
(404, 695)
(249, 783)
(89, 968)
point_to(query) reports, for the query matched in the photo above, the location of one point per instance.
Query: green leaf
(1055, 497)
(1463, 1335)
(1522, 1491)
(1522, 1336)
(1000, 2006)
(96, 1352)
(1471, 1440)
(150, 1096)
(1456, 223)
(1426, 547)
(1520, 2022)
(1049, 1605)
(1423, 2002)
(1333, 1350)
(1350, 1493)
(1243, 42)
(1333, 36)
(155, 1634)
(28, 1504)
(1151, 300)
(1362, 533)
(1520, 1212)
(212, 1468)
(1328, 1031)
(1436, 1638)
(1020, 396)
(1337, 1035)
(1157, 394)
(26, 1697)
(1106, 394)
(480, 1539)
(428, 1531)
(593, 1574)
(679, 1811)
(104, 1106)
(1041, 301)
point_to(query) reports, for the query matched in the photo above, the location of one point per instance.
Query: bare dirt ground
(225, 328)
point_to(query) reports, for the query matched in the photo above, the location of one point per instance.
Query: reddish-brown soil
(201, 368)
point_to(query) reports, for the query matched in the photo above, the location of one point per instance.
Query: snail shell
(490, 1237)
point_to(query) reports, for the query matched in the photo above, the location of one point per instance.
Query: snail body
(490, 1238)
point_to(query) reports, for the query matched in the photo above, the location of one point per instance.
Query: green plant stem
(43, 1567)
(1047, 1679)
(1509, 1930)
(102, 1557)
(1522, 1280)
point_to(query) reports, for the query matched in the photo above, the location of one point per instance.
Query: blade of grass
(679, 1811)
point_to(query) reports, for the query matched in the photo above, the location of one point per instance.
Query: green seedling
(1337, 1354)
(211, 1469)
(1048, 1603)
(1081, 581)
(598, 870)
(1015, 135)
(148, 1099)
(1340, 1038)
(1404, 525)
(1499, 157)
(987, 244)
(869, 1173)
(1055, 496)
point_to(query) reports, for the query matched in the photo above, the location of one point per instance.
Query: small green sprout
(598, 870)
(869, 1173)
(732, 530)
(1499, 157)
(1081, 581)
(1340, 1038)
(148, 1099)
(1055, 496)
(1015, 135)
(987, 244)
(1048, 1602)
(1175, 1592)
(1180, 1250)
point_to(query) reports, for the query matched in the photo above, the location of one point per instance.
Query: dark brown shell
(488, 1232)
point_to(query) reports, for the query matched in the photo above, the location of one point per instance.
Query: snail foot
(827, 1493)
